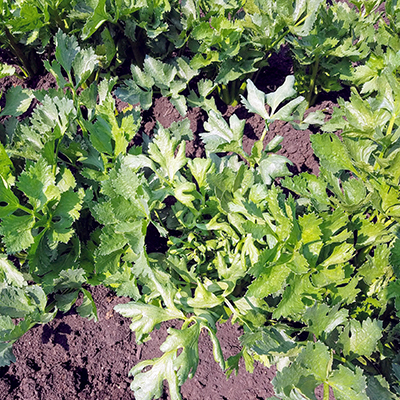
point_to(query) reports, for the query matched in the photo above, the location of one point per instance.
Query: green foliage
(6, 70)
(223, 137)
(169, 79)
(313, 279)
(43, 198)
(324, 56)
(27, 27)
(18, 300)
(71, 57)
(360, 179)
(18, 101)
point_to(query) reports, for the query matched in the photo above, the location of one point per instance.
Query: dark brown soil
(72, 358)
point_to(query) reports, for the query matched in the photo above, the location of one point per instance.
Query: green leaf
(258, 231)
(133, 94)
(360, 339)
(65, 179)
(65, 213)
(387, 199)
(332, 153)
(124, 283)
(376, 268)
(186, 193)
(378, 389)
(255, 101)
(180, 130)
(162, 73)
(354, 191)
(66, 301)
(171, 367)
(310, 369)
(395, 257)
(37, 296)
(9, 331)
(168, 153)
(88, 308)
(142, 78)
(100, 135)
(10, 274)
(6, 354)
(291, 111)
(15, 303)
(149, 385)
(199, 167)
(310, 187)
(66, 50)
(310, 228)
(218, 132)
(95, 20)
(310, 7)
(205, 88)
(348, 385)
(18, 101)
(299, 264)
(217, 351)
(234, 70)
(269, 343)
(88, 98)
(8, 197)
(83, 65)
(299, 286)
(55, 112)
(128, 194)
(6, 165)
(6, 70)
(70, 279)
(341, 253)
(333, 226)
(185, 71)
(271, 281)
(49, 122)
(145, 317)
(179, 102)
(149, 270)
(37, 182)
(189, 10)
(17, 232)
(333, 276)
(203, 298)
(107, 50)
(111, 241)
(345, 294)
(274, 166)
(323, 319)
(109, 263)
(284, 92)
(55, 69)
(186, 339)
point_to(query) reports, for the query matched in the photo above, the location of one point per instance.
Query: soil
(73, 358)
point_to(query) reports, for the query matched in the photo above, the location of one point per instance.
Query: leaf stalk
(326, 391)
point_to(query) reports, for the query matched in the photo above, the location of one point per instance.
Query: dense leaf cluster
(308, 265)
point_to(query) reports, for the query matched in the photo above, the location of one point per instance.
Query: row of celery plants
(228, 41)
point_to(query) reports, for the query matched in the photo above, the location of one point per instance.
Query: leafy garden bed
(166, 175)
